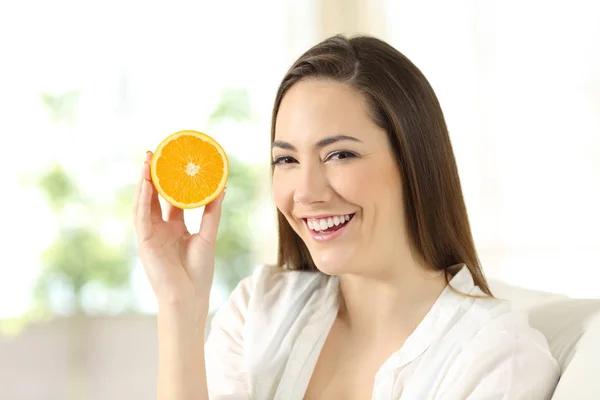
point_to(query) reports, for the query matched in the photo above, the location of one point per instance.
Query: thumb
(211, 219)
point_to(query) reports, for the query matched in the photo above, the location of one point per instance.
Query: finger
(174, 213)
(138, 190)
(155, 207)
(138, 193)
(143, 224)
(211, 218)
(149, 209)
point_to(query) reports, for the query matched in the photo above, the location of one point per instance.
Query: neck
(393, 303)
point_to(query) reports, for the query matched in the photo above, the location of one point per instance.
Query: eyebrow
(320, 144)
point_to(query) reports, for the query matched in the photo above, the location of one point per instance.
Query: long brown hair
(401, 102)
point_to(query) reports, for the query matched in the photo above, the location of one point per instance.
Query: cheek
(373, 186)
(283, 191)
(356, 183)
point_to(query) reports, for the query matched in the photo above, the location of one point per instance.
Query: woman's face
(335, 178)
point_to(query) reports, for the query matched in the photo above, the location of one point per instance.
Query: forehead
(313, 109)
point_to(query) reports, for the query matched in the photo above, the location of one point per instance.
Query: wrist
(181, 317)
(182, 306)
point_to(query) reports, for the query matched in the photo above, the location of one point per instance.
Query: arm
(180, 268)
(181, 369)
(191, 369)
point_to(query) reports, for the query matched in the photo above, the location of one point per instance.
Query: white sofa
(572, 327)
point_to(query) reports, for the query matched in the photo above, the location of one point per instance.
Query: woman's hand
(178, 264)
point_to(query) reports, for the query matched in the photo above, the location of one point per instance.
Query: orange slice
(189, 169)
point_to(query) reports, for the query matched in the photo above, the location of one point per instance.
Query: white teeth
(324, 223)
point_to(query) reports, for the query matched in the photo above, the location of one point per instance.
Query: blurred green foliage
(234, 255)
(62, 107)
(233, 105)
(58, 188)
(80, 254)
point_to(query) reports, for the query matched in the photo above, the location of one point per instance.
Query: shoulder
(472, 316)
(269, 295)
(277, 291)
(504, 355)
(503, 333)
(274, 307)
(506, 332)
(274, 290)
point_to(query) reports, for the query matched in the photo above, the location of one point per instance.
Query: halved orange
(189, 169)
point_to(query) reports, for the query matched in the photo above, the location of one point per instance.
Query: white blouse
(265, 341)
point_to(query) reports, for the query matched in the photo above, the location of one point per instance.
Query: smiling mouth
(329, 224)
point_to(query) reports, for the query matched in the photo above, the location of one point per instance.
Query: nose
(311, 186)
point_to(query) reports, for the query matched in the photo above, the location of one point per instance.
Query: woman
(378, 292)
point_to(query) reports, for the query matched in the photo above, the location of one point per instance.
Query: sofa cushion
(572, 327)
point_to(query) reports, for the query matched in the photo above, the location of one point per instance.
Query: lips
(328, 228)
(329, 223)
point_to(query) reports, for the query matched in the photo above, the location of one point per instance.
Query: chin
(332, 262)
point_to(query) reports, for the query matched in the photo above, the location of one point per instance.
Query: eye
(341, 155)
(283, 160)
